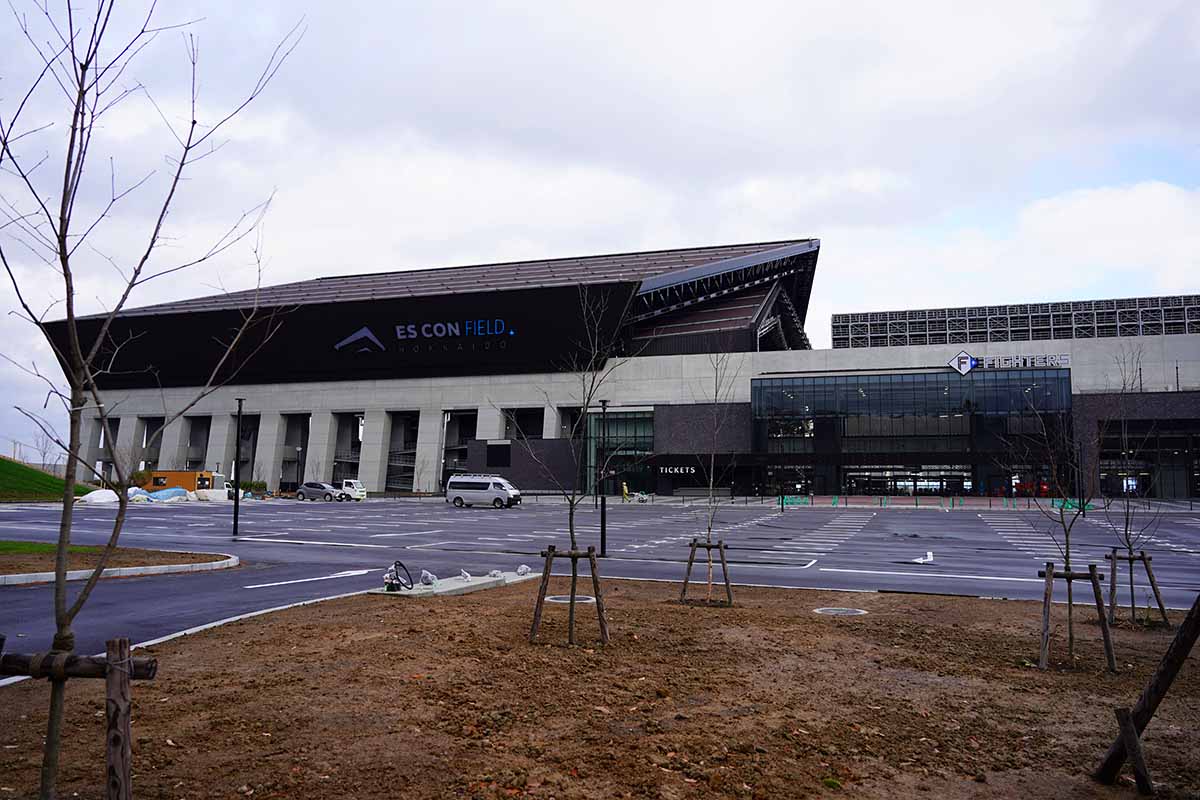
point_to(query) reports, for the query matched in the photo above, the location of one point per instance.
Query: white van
(468, 490)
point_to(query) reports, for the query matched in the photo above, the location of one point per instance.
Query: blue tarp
(167, 494)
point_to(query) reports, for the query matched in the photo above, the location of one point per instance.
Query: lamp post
(237, 468)
(299, 464)
(603, 475)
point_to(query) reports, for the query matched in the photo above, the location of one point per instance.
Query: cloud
(943, 152)
(1137, 240)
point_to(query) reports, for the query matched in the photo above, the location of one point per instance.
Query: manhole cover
(566, 598)
(840, 612)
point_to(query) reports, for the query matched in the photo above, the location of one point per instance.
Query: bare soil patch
(20, 563)
(377, 697)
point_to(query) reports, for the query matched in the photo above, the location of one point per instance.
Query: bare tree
(714, 414)
(49, 219)
(1050, 454)
(44, 446)
(596, 356)
(1132, 519)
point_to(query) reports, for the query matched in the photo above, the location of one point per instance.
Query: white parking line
(933, 575)
(306, 541)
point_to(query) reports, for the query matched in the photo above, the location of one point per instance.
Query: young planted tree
(53, 203)
(715, 411)
(1133, 520)
(594, 358)
(1050, 453)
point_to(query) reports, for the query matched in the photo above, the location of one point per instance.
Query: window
(499, 455)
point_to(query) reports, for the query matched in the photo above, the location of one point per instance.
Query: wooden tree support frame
(1132, 724)
(550, 553)
(1093, 577)
(118, 669)
(1141, 556)
(720, 547)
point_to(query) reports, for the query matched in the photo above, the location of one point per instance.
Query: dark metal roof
(665, 267)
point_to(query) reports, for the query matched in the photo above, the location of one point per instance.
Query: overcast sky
(944, 153)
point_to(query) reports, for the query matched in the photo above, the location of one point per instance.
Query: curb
(448, 587)
(123, 572)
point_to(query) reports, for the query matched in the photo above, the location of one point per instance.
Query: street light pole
(603, 475)
(237, 468)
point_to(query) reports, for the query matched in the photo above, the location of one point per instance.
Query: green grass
(22, 484)
(37, 548)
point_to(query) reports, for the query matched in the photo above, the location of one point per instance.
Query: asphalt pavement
(295, 551)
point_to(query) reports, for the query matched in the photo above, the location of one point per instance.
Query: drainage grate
(840, 612)
(566, 598)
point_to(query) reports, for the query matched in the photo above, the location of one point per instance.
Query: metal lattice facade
(1084, 319)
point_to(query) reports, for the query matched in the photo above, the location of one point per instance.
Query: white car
(493, 490)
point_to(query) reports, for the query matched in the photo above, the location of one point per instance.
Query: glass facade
(902, 433)
(625, 441)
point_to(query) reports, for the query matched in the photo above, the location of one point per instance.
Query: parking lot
(294, 551)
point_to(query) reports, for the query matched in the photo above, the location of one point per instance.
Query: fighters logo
(963, 363)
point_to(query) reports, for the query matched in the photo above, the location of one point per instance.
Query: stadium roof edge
(665, 267)
(717, 267)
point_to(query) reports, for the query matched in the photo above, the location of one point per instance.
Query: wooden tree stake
(599, 596)
(1155, 691)
(1162, 609)
(720, 548)
(1112, 588)
(687, 576)
(541, 598)
(1044, 656)
(725, 572)
(1133, 746)
(575, 555)
(1107, 634)
(119, 752)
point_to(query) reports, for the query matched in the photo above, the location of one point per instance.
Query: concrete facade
(1168, 362)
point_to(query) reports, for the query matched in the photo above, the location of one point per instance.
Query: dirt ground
(19, 563)
(380, 697)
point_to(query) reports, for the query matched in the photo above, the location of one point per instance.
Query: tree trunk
(1132, 597)
(53, 746)
(571, 522)
(1070, 621)
(64, 637)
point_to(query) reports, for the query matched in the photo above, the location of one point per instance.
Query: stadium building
(403, 378)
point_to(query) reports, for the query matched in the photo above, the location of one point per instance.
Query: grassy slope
(37, 548)
(20, 483)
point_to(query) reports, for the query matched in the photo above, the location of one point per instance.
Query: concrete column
(489, 424)
(376, 439)
(267, 457)
(89, 447)
(129, 444)
(322, 441)
(222, 431)
(171, 442)
(550, 423)
(428, 475)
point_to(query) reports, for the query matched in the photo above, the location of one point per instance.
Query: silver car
(314, 490)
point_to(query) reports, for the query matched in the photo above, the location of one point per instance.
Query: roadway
(293, 551)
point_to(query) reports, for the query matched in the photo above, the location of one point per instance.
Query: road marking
(350, 573)
(933, 575)
(306, 541)
(410, 533)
